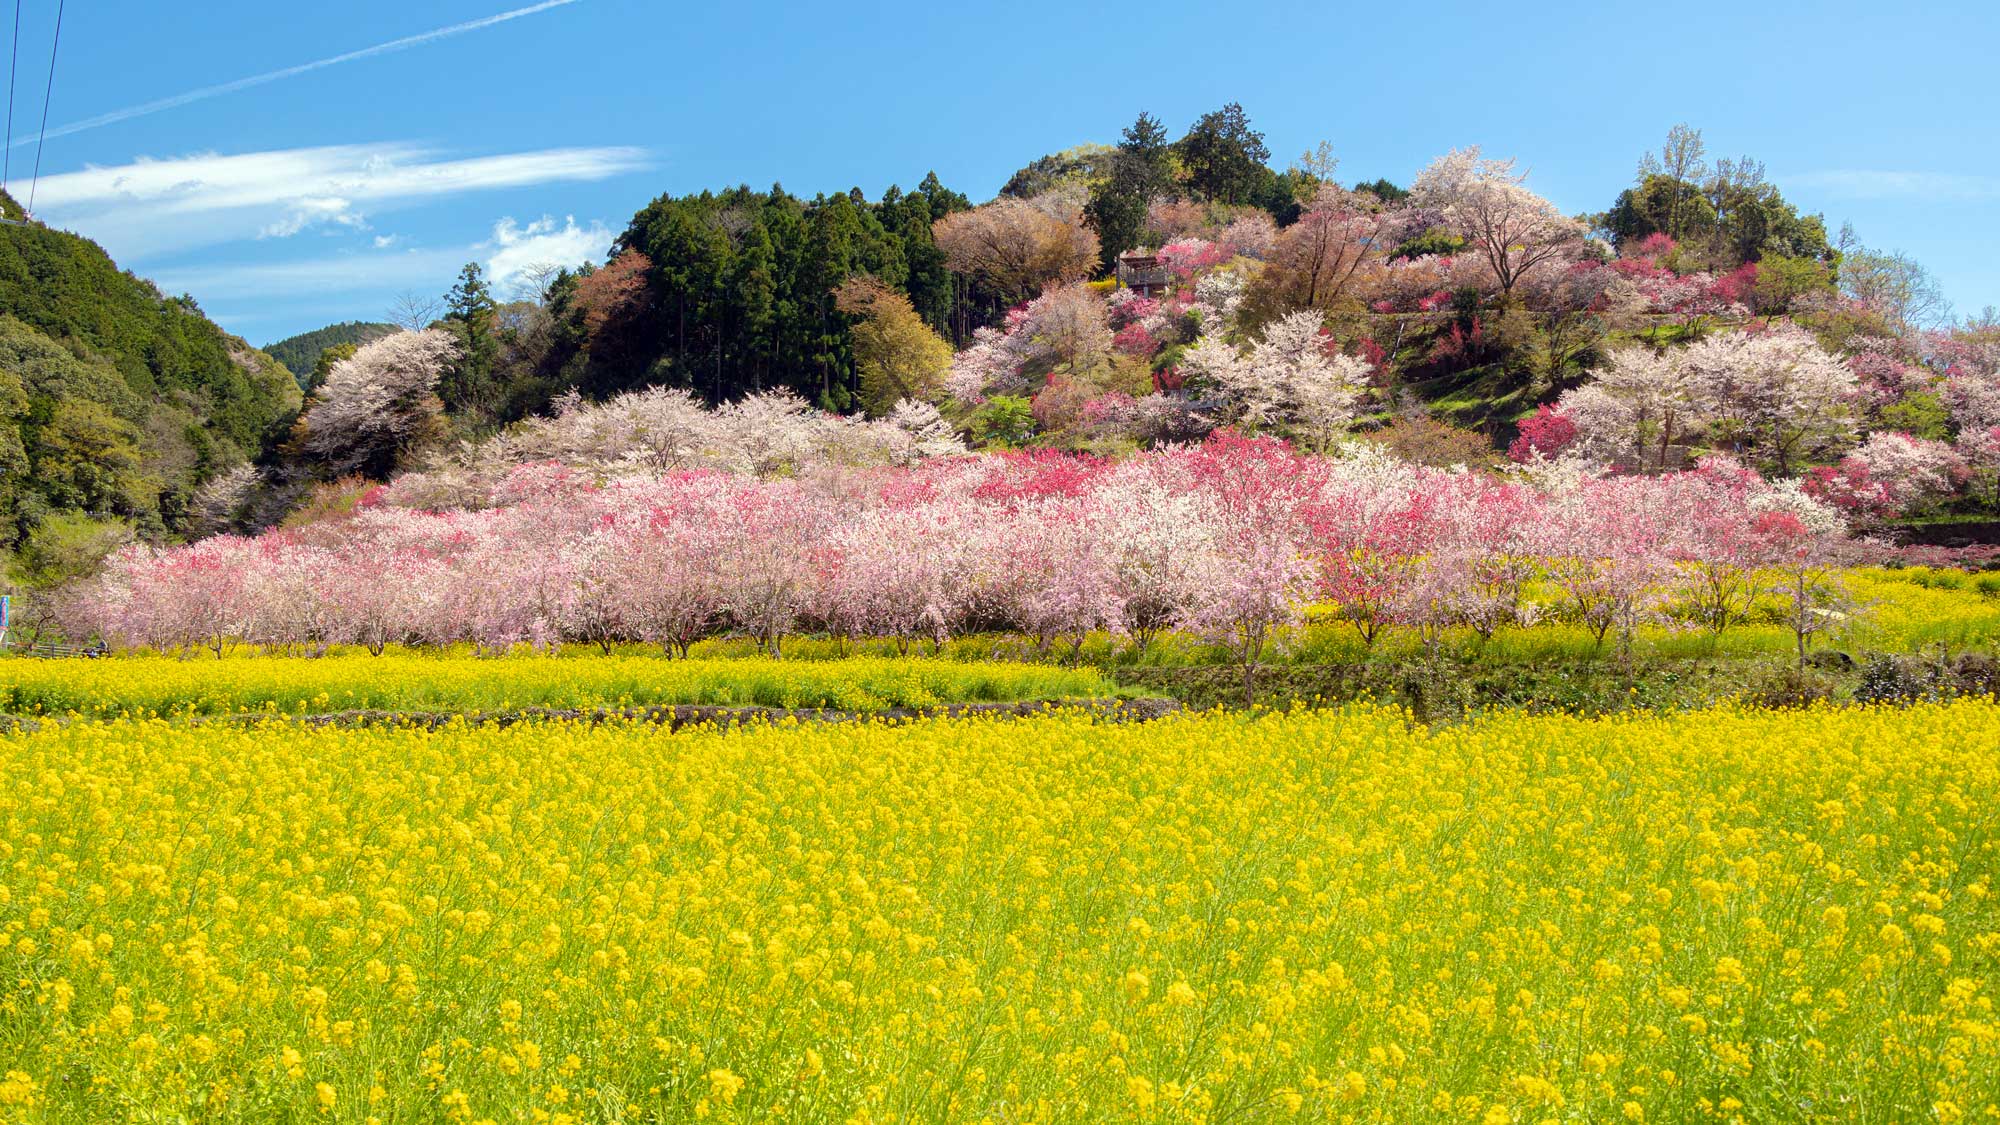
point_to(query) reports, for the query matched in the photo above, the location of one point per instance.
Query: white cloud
(313, 212)
(508, 257)
(384, 241)
(152, 206)
(517, 250)
(1865, 183)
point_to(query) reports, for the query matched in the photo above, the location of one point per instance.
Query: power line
(13, 67)
(46, 95)
(255, 80)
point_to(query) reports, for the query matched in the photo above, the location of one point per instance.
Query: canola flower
(143, 685)
(1732, 915)
(1913, 607)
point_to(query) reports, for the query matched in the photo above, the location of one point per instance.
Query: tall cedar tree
(467, 387)
(1224, 157)
(1140, 172)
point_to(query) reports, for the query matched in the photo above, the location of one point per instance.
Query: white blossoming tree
(1511, 229)
(1776, 392)
(378, 405)
(1290, 382)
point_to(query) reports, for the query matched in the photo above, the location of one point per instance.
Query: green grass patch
(404, 681)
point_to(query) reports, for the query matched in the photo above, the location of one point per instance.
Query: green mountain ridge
(299, 353)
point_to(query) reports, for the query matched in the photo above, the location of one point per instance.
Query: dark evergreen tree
(1383, 190)
(1139, 172)
(1224, 157)
(468, 389)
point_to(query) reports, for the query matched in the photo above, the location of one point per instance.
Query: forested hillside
(301, 353)
(117, 403)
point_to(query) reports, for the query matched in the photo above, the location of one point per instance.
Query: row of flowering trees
(1230, 540)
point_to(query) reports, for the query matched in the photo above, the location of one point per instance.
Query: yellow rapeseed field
(1732, 915)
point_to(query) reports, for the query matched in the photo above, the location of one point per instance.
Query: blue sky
(318, 196)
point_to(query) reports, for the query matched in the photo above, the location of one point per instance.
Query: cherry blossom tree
(1061, 573)
(1293, 381)
(1252, 580)
(900, 573)
(1634, 409)
(1370, 542)
(1158, 533)
(765, 568)
(1509, 228)
(378, 405)
(1806, 554)
(1722, 541)
(1775, 391)
(375, 595)
(1605, 545)
(1914, 470)
(665, 567)
(1325, 259)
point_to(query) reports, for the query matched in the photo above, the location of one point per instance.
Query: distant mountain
(301, 352)
(116, 401)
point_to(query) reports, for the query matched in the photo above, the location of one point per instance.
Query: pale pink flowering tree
(1776, 391)
(376, 595)
(1634, 410)
(1807, 555)
(900, 573)
(1914, 470)
(1510, 229)
(1251, 584)
(1482, 557)
(379, 403)
(592, 609)
(178, 599)
(1251, 234)
(1158, 533)
(665, 570)
(1722, 538)
(1061, 580)
(1255, 574)
(767, 559)
(286, 605)
(1605, 547)
(1292, 382)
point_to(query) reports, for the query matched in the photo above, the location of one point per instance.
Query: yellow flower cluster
(1917, 607)
(142, 685)
(1330, 916)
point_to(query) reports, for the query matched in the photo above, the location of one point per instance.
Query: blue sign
(6, 603)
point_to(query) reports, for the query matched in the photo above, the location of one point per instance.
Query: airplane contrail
(216, 91)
